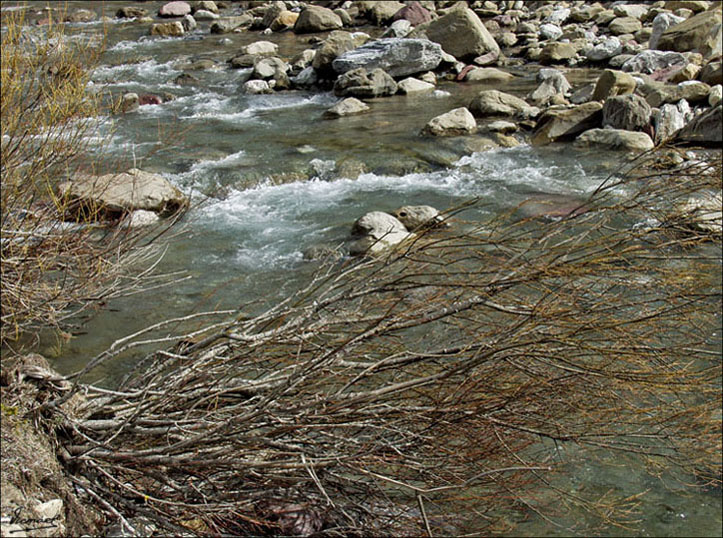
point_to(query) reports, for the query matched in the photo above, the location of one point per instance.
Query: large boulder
(459, 121)
(397, 56)
(612, 83)
(112, 195)
(565, 123)
(347, 107)
(707, 128)
(629, 112)
(174, 9)
(460, 33)
(375, 232)
(618, 139)
(497, 103)
(701, 33)
(362, 83)
(333, 46)
(317, 19)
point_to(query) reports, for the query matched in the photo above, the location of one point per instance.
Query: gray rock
(415, 217)
(460, 33)
(629, 112)
(616, 139)
(306, 78)
(558, 16)
(550, 31)
(397, 56)
(497, 103)
(204, 15)
(453, 123)
(347, 107)
(582, 94)
(662, 22)
(400, 28)
(605, 50)
(706, 128)
(229, 24)
(650, 61)
(552, 84)
(189, 23)
(273, 10)
(360, 83)
(565, 123)
(375, 232)
(413, 85)
(317, 19)
(140, 218)
(268, 68)
(119, 193)
(670, 118)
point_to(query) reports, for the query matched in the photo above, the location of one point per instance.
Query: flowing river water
(270, 178)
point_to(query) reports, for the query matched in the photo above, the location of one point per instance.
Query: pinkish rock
(174, 9)
(414, 13)
(149, 99)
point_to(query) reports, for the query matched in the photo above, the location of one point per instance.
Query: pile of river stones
(661, 63)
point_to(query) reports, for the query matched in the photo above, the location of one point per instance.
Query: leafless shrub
(421, 392)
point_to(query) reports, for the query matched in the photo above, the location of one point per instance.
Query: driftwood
(427, 392)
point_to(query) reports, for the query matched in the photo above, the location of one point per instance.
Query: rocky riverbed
(306, 117)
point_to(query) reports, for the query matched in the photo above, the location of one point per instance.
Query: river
(270, 178)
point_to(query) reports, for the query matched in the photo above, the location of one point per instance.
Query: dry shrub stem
(51, 269)
(431, 390)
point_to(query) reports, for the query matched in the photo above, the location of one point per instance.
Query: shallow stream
(270, 178)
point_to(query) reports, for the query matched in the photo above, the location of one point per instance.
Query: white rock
(347, 107)
(260, 48)
(605, 50)
(413, 85)
(375, 232)
(256, 87)
(550, 31)
(453, 123)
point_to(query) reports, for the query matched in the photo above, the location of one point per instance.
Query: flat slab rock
(113, 194)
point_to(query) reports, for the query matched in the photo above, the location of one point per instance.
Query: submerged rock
(618, 139)
(348, 107)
